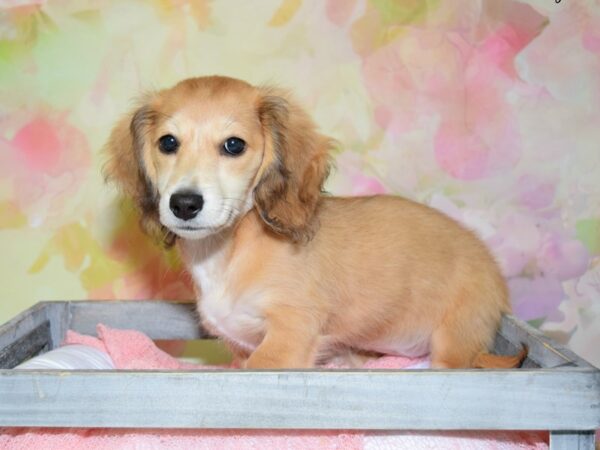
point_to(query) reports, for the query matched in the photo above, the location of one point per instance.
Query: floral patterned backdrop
(488, 110)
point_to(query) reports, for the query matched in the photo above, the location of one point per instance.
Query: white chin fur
(194, 234)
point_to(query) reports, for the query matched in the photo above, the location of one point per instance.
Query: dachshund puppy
(289, 277)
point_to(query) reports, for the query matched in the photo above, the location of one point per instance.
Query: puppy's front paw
(258, 361)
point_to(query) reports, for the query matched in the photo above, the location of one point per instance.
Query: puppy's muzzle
(186, 205)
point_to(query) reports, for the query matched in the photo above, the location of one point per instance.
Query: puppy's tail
(489, 361)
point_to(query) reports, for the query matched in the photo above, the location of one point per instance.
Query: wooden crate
(555, 390)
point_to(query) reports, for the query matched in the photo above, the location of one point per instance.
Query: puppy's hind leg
(466, 331)
(453, 349)
(463, 340)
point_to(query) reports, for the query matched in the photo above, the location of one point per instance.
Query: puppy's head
(197, 157)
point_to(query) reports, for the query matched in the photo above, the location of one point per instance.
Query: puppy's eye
(234, 146)
(168, 143)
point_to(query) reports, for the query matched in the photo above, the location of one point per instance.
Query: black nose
(186, 205)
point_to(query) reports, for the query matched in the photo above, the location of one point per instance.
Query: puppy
(287, 276)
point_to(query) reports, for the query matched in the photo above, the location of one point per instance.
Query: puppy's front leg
(289, 343)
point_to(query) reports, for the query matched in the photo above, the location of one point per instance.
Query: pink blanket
(135, 351)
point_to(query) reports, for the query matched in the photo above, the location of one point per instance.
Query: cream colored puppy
(287, 276)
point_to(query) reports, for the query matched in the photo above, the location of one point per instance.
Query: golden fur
(290, 277)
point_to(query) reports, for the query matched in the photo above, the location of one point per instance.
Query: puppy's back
(398, 269)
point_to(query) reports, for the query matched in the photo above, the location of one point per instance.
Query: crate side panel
(392, 400)
(157, 319)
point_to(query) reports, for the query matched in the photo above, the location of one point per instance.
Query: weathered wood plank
(392, 400)
(503, 346)
(572, 440)
(23, 324)
(157, 319)
(542, 350)
(35, 342)
(58, 314)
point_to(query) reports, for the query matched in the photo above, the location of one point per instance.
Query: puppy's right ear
(126, 166)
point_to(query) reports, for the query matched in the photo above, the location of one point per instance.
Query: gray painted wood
(58, 314)
(572, 440)
(542, 350)
(23, 324)
(31, 344)
(157, 319)
(393, 400)
(503, 346)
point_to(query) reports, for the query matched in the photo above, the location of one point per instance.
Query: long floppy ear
(288, 192)
(126, 167)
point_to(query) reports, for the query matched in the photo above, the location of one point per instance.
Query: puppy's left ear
(289, 189)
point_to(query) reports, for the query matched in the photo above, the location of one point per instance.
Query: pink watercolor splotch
(38, 146)
(480, 137)
(339, 11)
(46, 162)
(462, 81)
(534, 255)
(535, 193)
